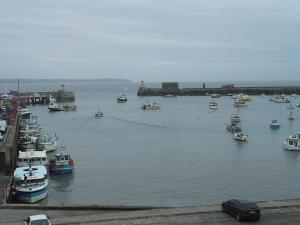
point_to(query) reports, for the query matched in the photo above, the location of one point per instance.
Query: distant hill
(109, 80)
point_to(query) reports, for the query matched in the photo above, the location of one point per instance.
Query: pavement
(285, 212)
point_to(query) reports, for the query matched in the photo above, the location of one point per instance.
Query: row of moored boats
(30, 181)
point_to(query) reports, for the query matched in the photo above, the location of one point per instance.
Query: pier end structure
(172, 88)
(44, 97)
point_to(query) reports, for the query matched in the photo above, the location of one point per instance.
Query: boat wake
(135, 122)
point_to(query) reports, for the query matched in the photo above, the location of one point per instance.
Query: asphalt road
(286, 215)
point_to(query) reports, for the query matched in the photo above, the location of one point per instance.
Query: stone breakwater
(288, 90)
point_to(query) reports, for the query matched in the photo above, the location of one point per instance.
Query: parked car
(37, 220)
(241, 209)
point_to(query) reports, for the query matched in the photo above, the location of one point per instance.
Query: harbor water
(176, 156)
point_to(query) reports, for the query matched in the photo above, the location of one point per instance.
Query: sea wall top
(172, 88)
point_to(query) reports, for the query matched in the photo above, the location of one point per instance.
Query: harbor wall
(44, 97)
(288, 90)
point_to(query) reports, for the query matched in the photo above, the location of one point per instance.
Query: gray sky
(151, 40)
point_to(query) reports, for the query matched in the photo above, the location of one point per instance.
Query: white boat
(53, 107)
(290, 106)
(215, 95)
(235, 118)
(25, 113)
(291, 117)
(36, 158)
(170, 95)
(30, 184)
(263, 95)
(233, 128)
(240, 136)
(239, 103)
(122, 98)
(292, 143)
(153, 105)
(213, 105)
(294, 95)
(47, 142)
(274, 124)
(99, 114)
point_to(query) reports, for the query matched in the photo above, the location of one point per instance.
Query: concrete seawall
(288, 90)
(273, 212)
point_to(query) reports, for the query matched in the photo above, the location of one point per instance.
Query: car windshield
(249, 205)
(40, 222)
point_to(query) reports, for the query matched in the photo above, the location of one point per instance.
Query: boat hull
(290, 147)
(274, 126)
(31, 196)
(61, 169)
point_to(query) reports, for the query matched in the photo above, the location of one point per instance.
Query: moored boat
(235, 118)
(292, 143)
(213, 105)
(25, 113)
(153, 105)
(291, 117)
(30, 183)
(47, 142)
(233, 128)
(274, 124)
(53, 107)
(62, 164)
(240, 136)
(122, 98)
(99, 114)
(36, 158)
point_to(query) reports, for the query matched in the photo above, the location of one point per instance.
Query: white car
(37, 220)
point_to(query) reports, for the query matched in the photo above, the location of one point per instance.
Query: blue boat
(62, 164)
(274, 124)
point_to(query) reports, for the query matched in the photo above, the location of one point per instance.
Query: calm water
(179, 155)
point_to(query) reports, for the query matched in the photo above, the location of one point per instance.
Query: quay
(172, 88)
(44, 97)
(272, 213)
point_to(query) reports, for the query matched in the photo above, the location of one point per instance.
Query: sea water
(176, 156)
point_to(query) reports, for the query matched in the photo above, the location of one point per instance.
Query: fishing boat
(292, 143)
(233, 128)
(170, 95)
(240, 136)
(25, 113)
(213, 105)
(53, 107)
(290, 106)
(30, 183)
(153, 105)
(47, 142)
(235, 118)
(99, 114)
(122, 98)
(215, 95)
(36, 158)
(274, 124)
(291, 117)
(62, 164)
(239, 103)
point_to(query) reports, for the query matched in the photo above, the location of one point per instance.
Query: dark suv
(241, 209)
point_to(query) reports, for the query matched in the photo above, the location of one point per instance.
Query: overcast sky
(151, 40)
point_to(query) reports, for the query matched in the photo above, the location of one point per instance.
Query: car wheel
(238, 218)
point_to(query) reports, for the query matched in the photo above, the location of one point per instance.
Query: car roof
(241, 201)
(38, 217)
